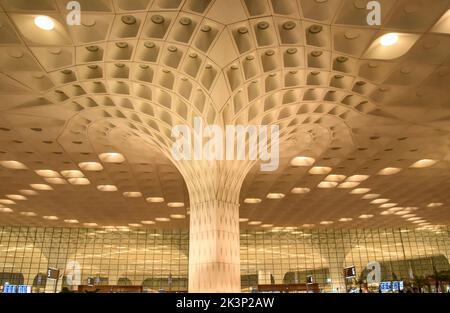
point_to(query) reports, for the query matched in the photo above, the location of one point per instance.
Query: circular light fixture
(389, 39)
(44, 22)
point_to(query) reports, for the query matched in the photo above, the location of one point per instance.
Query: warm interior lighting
(112, 157)
(424, 163)
(132, 194)
(435, 204)
(162, 219)
(71, 221)
(300, 190)
(365, 216)
(327, 184)
(266, 225)
(6, 201)
(107, 188)
(243, 220)
(389, 171)
(15, 165)
(90, 166)
(79, 181)
(177, 216)
(357, 178)
(335, 178)
(72, 174)
(389, 39)
(134, 225)
(47, 173)
(275, 195)
(359, 191)
(371, 196)
(320, 170)
(379, 201)
(5, 210)
(41, 187)
(388, 205)
(326, 222)
(50, 217)
(348, 184)
(90, 224)
(155, 199)
(252, 200)
(56, 181)
(44, 22)
(345, 219)
(28, 214)
(254, 223)
(302, 161)
(175, 204)
(27, 192)
(16, 197)
(148, 222)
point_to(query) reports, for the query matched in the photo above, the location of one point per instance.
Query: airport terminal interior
(100, 191)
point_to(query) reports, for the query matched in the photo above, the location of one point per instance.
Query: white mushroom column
(214, 249)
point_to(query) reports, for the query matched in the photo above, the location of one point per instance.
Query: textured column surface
(214, 263)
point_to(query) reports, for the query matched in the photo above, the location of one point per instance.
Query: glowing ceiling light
(424, 163)
(90, 224)
(243, 220)
(15, 165)
(28, 214)
(5, 210)
(389, 171)
(44, 22)
(365, 216)
(47, 173)
(132, 194)
(155, 199)
(379, 201)
(435, 205)
(266, 225)
(56, 181)
(177, 216)
(359, 191)
(148, 222)
(91, 166)
(335, 178)
(357, 178)
(162, 219)
(27, 192)
(72, 174)
(348, 184)
(320, 170)
(326, 222)
(71, 221)
(6, 201)
(327, 184)
(300, 190)
(50, 217)
(255, 223)
(388, 205)
(302, 161)
(175, 204)
(345, 219)
(371, 196)
(389, 39)
(16, 197)
(41, 187)
(107, 188)
(112, 157)
(134, 225)
(252, 200)
(79, 181)
(275, 195)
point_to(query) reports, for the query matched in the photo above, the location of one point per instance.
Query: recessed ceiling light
(348, 184)
(79, 181)
(72, 174)
(56, 181)
(47, 173)
(423, 163)
(91, 166)
(379, 201)
(254, 223)
(28, 214)
(414, 219)
(371, 196)
(41, 187)
(300, 190)
(107, 188)
(162, 219)
(50, 217)
(389, 39)
(16, 197)
(357, 178)
(302, 161)
(177, 216)
(308, 225)
(132, 194)
(15, 165)
(386, 213)
(112, 157)
(388, 205)
(365, 216)
(435, 204)
(320, 170)
(335, 178)
(252, 200)
(359, 191)
(155, 199)
(90, 224)
(44, 22)
(389, 171)
(345, 219)
(134, 225)
(327, 184)
(148, 222)
(395, 209)
(175, 204)
(275, 195)
(243, 220)
(71, 221)
(27, 192)
(326, 222)
(6, 210)
(6, 201)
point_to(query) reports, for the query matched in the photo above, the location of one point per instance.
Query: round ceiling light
(44, 22)
(389, 39)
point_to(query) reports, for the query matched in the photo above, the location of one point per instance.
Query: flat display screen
(350, 272)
